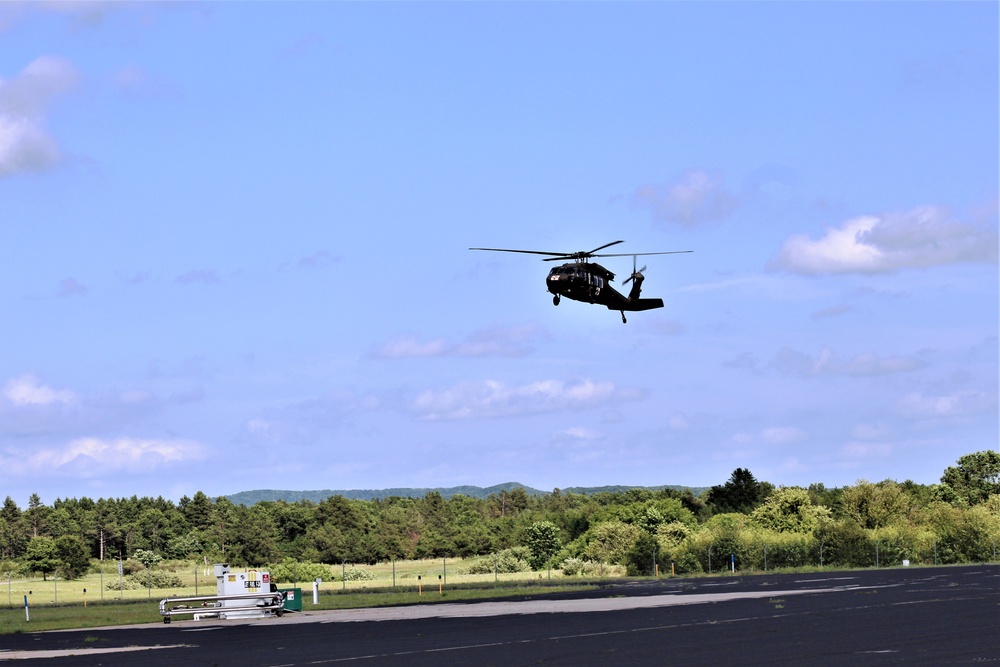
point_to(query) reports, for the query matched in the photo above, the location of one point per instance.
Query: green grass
(129, 612)
(59, 604)
(56, 604)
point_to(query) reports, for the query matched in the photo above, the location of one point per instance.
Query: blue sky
(234, 243)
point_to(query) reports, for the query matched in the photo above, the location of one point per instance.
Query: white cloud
(958, 404)
(576, 434)
(783, 435)
(866, 450)
(27, 390)
(203, 276)
(25, 145)
(826, 363)
(489, 342)
(95, 455)
(408, 347)
(869, 431)
(920, 238)
(697, 197)
(491, 398)
(71, 287)
(678, 423)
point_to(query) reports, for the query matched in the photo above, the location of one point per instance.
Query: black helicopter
(582, 280)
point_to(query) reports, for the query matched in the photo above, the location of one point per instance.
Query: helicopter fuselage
(585, 281)
(591, 283)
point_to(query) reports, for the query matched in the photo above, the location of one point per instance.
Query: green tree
(974, 479)
(41, 556)
(639, 560)
(36, 516)
(197, 510)
(146, 557)
(73, 555)
(12, 538)
(874, 506)
(789, 509)
(741, 493)
(542, 540)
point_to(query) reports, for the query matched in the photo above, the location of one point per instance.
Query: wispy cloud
(783, 435)
(695, 198)
(832, 311)
(25, 144)
(71, 287)
(826, 363)
(310, 421)
(496, 341)
(920, 238)
(918, 405)
(490, 398)
(87, 456)
(317, 260)
(198, 276)
(788, 361)
(28, 390)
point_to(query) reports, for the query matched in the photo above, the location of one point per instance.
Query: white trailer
(249, 594)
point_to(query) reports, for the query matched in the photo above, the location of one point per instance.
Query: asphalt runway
(912, 616)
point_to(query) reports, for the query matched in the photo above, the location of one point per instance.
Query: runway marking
(582, 635)
(65, 653)
(584, 605)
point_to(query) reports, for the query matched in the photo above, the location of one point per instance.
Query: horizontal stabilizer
(639, 304)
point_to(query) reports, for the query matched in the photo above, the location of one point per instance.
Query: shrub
(588, 568)
(506, 561)
(356, 574)
(140, 580)
(291, 571)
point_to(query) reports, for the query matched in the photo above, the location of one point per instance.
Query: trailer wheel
(166, 620)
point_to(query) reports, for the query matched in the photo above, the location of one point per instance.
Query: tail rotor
(635, 273)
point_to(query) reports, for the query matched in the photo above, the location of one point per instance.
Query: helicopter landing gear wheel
(555, 300)
(624, 321)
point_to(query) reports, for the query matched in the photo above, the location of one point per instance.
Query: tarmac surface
(912, 616)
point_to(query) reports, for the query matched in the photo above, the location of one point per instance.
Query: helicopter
(589, 282)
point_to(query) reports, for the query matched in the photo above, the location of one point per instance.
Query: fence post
(765, 558)
(710, 559)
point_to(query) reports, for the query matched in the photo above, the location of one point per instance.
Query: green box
(293, 599)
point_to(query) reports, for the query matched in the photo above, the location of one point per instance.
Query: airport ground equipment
(249, 594)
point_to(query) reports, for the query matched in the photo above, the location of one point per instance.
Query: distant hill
(250, 498)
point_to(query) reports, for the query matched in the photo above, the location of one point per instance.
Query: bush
(291, 571)
(140, 580)
(356, 574)
(639, 559)
(584, 568)
(686, 563)
(506, 561)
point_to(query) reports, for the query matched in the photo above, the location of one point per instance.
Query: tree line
(742, 523)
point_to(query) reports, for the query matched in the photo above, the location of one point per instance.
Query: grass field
(96, 599)
(102, 585)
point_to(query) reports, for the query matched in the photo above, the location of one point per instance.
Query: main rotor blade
(606, 245)
(529, 252)
(639, 254)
